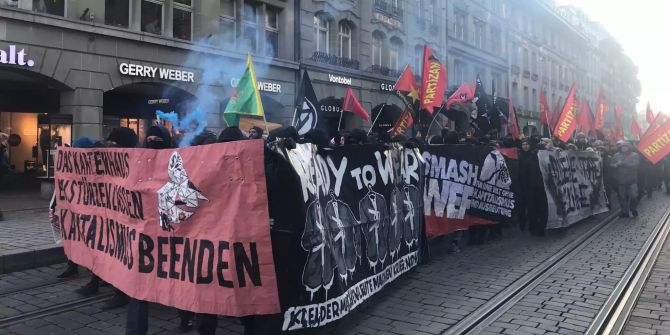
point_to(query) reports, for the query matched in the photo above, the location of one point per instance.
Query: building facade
(71, 68)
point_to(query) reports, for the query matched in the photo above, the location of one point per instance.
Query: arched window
(418, 53)
(395, 56)
(377, 48)
(344, 39)
(321, 33)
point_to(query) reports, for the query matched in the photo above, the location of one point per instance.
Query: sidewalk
(26, 240)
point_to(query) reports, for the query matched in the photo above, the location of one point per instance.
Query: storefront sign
(387, 87)
(158, 101)
(339, 79)
(15, 58)
(137, 70)
(264, 86)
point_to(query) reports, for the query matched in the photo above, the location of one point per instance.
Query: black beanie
(124, 137)
(231, 134)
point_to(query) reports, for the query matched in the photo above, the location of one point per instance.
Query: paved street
(428, 300)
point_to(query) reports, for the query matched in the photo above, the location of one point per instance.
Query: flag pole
(378, 114)
(295, 112)
(431, 122)
(340, 122)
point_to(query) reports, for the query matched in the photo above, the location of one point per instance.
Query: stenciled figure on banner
(178, 191)
(348, 259)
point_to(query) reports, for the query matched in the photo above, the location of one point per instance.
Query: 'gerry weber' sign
(15, 58)
(137, 70)
(262, 86)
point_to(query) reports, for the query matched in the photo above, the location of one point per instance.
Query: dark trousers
(137, 322)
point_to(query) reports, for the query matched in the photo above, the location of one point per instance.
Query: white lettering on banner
(454, 187)
(15, 58)
(317, 315)
(146, 71)
(339, 79)
(262, 85)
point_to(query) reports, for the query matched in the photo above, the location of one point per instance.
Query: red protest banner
(186, 227)
(656, 145)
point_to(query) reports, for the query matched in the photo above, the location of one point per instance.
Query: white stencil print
(178, 191)
(332, 239)
(495, 171)
(396, 223)
(412, 211)
(374, 216)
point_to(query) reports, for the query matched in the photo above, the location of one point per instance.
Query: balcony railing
(322, 57)
(515, 69)
(534, 77)
(526, 74)
(384, 7)
(383, 70)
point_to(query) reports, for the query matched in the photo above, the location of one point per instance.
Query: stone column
(85, 106)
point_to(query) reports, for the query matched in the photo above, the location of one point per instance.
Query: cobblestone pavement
(26, 241)
(428, 300)
(567, 301)
(651, 314)
(11, 200)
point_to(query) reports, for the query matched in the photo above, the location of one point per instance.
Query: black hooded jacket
(161, 132)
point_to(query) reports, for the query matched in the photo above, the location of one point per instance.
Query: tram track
(486, 314)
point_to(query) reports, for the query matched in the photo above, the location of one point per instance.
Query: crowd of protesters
(625, 173)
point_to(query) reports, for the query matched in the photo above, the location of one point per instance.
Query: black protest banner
(573, 183)
(363, 227)
(465, 184)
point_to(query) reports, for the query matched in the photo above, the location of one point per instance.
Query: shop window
(377, 48)
(271, 31)
(181, 19)
(250, 27)
(394, 54)
(227, 25)
(152, 17)
(53, 7)
(117, 13)
(9, 3)
(344, 39)
(321, 33)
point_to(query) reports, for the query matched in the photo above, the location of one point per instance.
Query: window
(377, 48)
(525, 98)
(321, 28)
(53, 7)
(430, 5)
(535, 105)
(227, 26)
(394, 54)
(10, 3)
(478, 34)
(344, 40)
(497, 80)
(525, 60)
(496, 40)
(181, 19)
(271, 31)
(152, 17)
(534, 63)
(460, 27)
(249, 27)
(459, 73)
(418, 58)
(117, 13)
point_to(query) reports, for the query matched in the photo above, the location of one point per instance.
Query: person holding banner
(626, 162)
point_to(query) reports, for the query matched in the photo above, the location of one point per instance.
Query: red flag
(656, 145)
(404, 121)
(512, 123)
(650, 114)
(352, 105)
(463, 94)
(618, 130)
(407, 88)
(433, 81)
(585, 119)
(659, 120)
(545, 113)
(601, 108)
(635, 128)
(567, 121)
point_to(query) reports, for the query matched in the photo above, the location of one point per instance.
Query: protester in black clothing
(121, 137)
(255, 133)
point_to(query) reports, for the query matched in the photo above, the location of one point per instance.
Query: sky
(642, 28)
